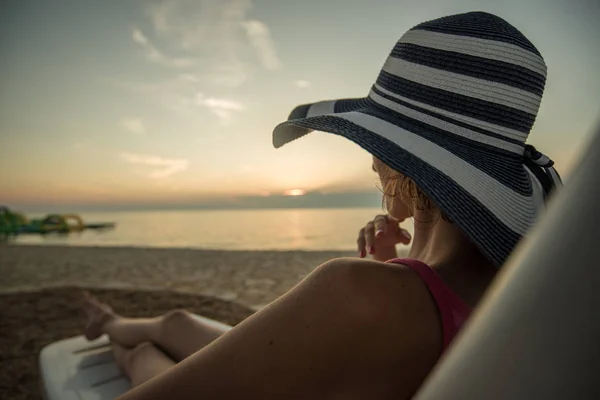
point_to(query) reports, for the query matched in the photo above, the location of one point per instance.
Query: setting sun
(294, 192)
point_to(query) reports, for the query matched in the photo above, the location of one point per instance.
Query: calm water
(321, 229)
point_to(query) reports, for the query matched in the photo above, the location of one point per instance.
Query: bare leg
(141, 363)
(177, 332)
(352, 329)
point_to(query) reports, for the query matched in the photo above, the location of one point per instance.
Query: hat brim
(489, 196)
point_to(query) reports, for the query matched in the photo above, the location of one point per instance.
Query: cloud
(133, 125)
(155, 55)
(140, 38)
(161, 167)
(260, 37)
(231, 74)
(302, 84)
(208, 45)
(189, 78)
(222, 108)
(218, 39)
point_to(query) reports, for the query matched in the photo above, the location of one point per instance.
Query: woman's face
(391, 199)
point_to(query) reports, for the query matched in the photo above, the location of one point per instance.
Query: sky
(173, 102)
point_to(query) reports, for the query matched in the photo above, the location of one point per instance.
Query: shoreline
(175, 248)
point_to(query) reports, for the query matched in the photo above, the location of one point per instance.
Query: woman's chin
(399, 211)
(401, 218)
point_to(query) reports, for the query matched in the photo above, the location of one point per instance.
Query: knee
(138, 354)
(175, 320)
(177, 315)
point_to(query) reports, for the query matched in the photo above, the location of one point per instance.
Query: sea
(277, 229)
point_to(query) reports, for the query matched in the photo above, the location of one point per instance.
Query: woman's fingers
(370, 237)
(384, 230)
(380, 223)
(403, 236)
(362, 251)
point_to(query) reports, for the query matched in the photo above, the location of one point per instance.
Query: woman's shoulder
(382, 274)
(385, 291)
(376, 272)
(394, 317)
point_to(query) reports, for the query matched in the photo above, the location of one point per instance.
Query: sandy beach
(40, 284)
(31, 320)
(251, 278)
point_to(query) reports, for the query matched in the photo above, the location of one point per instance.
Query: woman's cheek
(388, 204)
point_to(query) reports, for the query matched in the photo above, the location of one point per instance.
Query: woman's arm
(353, 328)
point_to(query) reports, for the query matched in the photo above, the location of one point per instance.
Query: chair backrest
(537, 332)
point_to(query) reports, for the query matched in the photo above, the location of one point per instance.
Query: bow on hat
(543, 168)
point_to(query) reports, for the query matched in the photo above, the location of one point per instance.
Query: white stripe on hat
(321, 108)
(543, 161)
(472, 46)
(446, 126)
(500, 130)
(497, 198)
(555, 178)
(493, 92)
(538, 189)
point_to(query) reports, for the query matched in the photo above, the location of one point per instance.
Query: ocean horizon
(308, 229)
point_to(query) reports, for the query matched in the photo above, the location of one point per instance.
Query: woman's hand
(380, 236)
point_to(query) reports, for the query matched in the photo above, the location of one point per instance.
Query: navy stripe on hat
(443, 118)
(501, 165)
(478, 67)
(481, 25)
(473, 46)
(350, 104)
(469, 106)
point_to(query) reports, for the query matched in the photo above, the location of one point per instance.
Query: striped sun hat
(451, 109)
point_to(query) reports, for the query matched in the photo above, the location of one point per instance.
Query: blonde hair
(395, 185)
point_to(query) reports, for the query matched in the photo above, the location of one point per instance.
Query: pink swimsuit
(453, 310)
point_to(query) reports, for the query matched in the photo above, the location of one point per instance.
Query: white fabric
(321, 108)
(542, 161)
(493, 92)
(76, 369)
(538, 190)
(500, 200)
(485, 48)
(555, 178)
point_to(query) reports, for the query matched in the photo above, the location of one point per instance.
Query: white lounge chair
(76, 369)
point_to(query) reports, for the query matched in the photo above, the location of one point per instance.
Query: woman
(446, 122)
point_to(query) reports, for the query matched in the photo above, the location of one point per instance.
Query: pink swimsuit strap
(453, 310)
